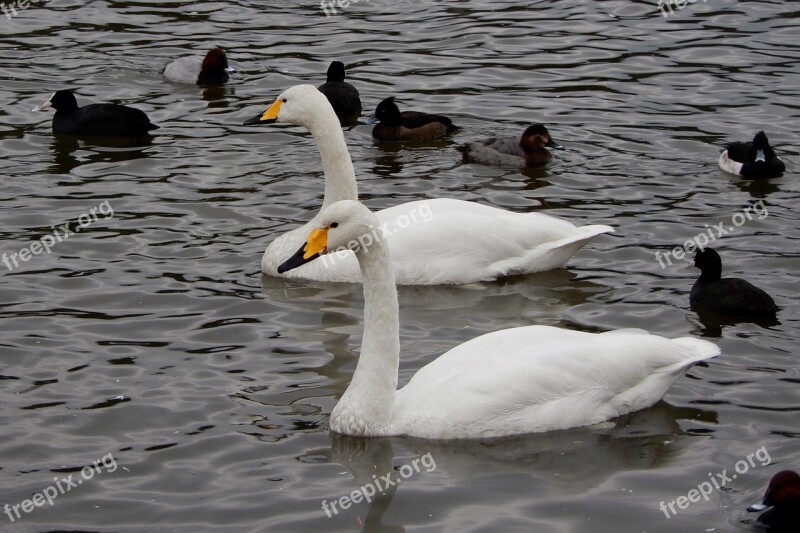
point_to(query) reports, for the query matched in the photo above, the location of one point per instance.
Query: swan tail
(701, 349)
(550, 255)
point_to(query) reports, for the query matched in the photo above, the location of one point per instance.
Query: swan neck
(370, 396)
(340, 176)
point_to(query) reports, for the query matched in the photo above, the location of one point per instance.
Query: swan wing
(540, 378)
(445, 241)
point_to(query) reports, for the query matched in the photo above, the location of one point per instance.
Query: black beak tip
(257, 120)
(295, 261)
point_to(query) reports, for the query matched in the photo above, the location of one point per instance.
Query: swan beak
(267, 117)
(552, 144)
(760, 157)
(315, 245)
(757, 507)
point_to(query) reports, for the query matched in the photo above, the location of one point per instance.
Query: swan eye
(334, 225)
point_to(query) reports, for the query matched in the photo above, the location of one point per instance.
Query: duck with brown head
(530, 150)
(212, 69)
(782, 499)
(393, 125)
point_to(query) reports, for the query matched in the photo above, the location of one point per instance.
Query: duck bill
(315, 245)
(230, 69)
(552, 144)
(760, 157)
(267, 117)
(757, 507)
(371, 120)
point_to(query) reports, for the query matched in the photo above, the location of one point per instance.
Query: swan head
(300, 105)
(345, 225)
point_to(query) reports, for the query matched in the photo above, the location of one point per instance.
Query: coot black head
(63, 100)
(709, 263)
(336, 71)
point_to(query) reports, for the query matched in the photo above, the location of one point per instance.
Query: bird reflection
(565, 462)
(95, 150)
(711, 324)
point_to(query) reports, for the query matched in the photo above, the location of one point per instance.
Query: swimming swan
(519, 380)
(434, 242)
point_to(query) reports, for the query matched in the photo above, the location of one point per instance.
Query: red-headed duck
(209, 70)
(783, 496)
(526, 151)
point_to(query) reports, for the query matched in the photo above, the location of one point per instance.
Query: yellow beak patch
(316, 243)
(272, 112)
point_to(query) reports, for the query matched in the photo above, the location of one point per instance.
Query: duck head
(386, 113)
(537, 137)
(783, 491)
(761, 150)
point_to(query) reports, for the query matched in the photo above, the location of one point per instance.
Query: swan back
(539, 378)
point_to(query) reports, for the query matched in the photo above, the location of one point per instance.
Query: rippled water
(150, 335)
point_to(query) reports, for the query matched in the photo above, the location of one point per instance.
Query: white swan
(437, 241)
(512, 381)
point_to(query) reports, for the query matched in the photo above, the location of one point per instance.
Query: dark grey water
(151, 336)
